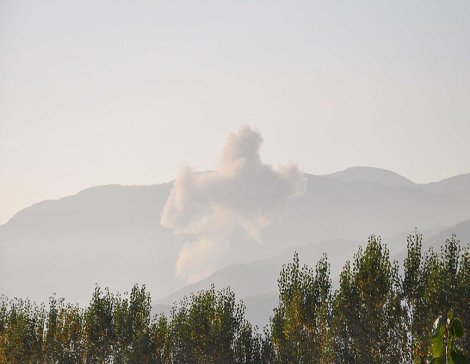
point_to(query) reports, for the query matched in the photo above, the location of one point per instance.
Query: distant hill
(461, 230)
(256, 283)
(261, 276)
(458, 186)
(111, 235)
(370, 174)
(435, 241)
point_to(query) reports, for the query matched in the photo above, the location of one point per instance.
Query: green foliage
(22, 332)
(444, 343)
(209, 327)
(300, 326)
(99, 330)
(64, 333)
(368, 323)
(433, 284)
(376, 315)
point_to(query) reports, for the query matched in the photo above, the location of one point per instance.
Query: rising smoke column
(242, 193)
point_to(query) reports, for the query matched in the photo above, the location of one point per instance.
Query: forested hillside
(376, 315)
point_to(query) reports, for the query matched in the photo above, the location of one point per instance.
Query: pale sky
(99, 92)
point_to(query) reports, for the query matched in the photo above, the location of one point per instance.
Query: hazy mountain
(260, 277)
(108, 235)
(259, 308)
(112, 234)
(332, 209)
(458, 186)
(370, 174)
(461, 230)
(245, 279)
(256, 283)
(435, 241)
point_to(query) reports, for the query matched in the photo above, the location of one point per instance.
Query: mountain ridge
(372, 174)
(338, 175)
(112, 235)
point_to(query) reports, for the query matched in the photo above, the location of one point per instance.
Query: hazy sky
(98, 92)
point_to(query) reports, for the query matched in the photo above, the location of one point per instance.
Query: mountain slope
(256, 283)
(108, 235)
(457, 186)
(435, 241)
(111, 235)
(260, 277)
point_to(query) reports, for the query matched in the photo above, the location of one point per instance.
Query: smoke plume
(242, 193)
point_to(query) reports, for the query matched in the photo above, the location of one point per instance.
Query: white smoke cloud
(242, 193)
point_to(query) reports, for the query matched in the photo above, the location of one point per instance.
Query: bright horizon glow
(95, 93)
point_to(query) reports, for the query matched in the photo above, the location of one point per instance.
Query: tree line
(381, 312)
